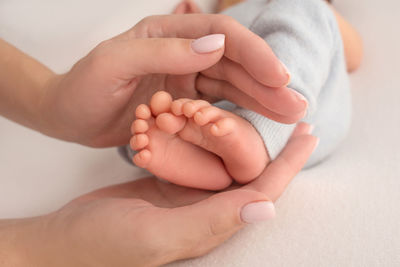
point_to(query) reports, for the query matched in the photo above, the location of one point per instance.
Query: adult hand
(94, 102)
(148, 222)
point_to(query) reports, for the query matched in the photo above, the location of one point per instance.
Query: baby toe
(143, 112)
(177, 106)
(206, 115)
(139, 141)
(139, 126)
(223, 127)
(142, 159)
(160, 102)
(191, 107)
(170, 123)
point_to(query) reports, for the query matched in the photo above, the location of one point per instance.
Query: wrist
(22, 83)
(45, 115)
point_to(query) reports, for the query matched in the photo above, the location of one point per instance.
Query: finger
(282, 100)
(200, 227)
(242, 46)
(284, 168)
(152, 190)
(302, 128)
(224, 90)
(129, 58)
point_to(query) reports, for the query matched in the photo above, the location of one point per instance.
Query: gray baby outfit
(305, 36)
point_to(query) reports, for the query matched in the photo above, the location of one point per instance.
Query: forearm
(22, 83)
(16, 242)
(28, 242)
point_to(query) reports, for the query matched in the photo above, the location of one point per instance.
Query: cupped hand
(148, 222)
(94, 103)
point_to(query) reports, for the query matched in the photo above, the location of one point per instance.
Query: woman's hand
(94, 102)
(148, 222)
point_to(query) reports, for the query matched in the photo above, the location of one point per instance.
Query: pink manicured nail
(311, 129)
(285, 68)
(316, 144)
(299, 96)
(208, 43)
(258, 212)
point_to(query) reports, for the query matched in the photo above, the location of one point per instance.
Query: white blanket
(344, 212)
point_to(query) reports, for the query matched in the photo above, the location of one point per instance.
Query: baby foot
(225, 134)
(168, 156)
(184, 141)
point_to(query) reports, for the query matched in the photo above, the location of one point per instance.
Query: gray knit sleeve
(303, 35)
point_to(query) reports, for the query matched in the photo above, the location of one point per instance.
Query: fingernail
(311, 129)
(208, 43)
(316, 144)
(286, 70)
(258, 212)
(299, 96)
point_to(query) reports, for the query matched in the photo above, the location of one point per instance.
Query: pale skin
(106, 227)
(38, 100)
(352, 41)
(93, 104)
(194, 144)
(222, 147)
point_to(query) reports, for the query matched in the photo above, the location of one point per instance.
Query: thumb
(136, 57)
(200, 227)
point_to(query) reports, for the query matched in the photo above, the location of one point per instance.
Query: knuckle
(141, 28)
(146, 20)
(227, 21)
(149, 26)
(215, 227)
(99, 55)
(225, 18)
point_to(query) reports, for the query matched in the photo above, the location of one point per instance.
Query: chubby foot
(225, 134)
(191, 143)
(166, 155)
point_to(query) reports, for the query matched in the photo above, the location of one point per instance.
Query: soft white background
(344, 212)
